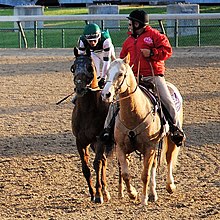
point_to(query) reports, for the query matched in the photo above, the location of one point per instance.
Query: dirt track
(40, 172)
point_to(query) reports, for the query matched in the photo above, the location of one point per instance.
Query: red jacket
(150, 39)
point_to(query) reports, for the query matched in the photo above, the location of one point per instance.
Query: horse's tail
(169, 152)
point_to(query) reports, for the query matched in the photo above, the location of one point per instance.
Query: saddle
(148, 87)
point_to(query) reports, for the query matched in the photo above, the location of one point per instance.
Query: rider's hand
(101, 83)
(145, 52)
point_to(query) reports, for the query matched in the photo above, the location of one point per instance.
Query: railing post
(162, 27)
(198, 35)
(63, 38)
(176, 33)
(35, 34)
(102, 24)
(41, 39)
(22, 34)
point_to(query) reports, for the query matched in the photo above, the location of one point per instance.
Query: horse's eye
(120, 74)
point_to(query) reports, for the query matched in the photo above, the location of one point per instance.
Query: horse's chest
(131, 142)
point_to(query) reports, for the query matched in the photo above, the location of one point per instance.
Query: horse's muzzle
(106, 97)
(81, 91)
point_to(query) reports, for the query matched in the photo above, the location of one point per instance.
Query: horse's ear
(88, 52)
(127, 58)
(76, 52)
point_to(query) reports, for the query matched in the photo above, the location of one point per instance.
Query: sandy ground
(40, 171)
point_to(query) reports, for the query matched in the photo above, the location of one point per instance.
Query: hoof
(92, 198)
(121, 191)
(121, 195)
(144, 200)
(171, 188)
(106, 196)
(133, 194)
(99, 200)
(152, 198)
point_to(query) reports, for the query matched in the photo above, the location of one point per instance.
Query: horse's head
(116, 79)
(84, 72)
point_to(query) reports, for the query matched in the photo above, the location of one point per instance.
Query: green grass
(73, 29)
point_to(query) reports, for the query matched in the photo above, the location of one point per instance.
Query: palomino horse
(88, 119)
(137, 128)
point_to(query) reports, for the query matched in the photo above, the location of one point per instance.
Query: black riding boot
(177, 135)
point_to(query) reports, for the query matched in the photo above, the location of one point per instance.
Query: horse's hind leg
(121, 184)
(84, 156)
(97, 164)
(100, 165)
(171, 158)
(132, 193)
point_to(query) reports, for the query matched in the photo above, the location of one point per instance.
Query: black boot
(177, 135)
(106, 136)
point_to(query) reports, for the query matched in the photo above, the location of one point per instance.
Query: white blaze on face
(108, 91)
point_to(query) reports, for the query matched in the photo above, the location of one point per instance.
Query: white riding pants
(164, 95)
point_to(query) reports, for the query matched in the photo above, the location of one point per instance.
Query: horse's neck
(89, 101)
(134, 106)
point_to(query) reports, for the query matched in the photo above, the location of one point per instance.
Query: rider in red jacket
(148, 50)
(158, 46)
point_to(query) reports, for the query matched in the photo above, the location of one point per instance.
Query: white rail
(105, 17)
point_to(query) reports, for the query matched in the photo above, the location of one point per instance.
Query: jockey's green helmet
(92, 32)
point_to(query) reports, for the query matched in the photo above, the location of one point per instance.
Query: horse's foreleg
(171, 158)
(146, 174)
(105, 192)
(84, 156)
(153, 194)
(132, 193)
(97, 164)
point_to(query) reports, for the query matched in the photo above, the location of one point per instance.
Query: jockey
(101, 47)
(148, 50)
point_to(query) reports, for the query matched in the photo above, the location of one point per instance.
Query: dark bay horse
(138, 128)
(88, 119)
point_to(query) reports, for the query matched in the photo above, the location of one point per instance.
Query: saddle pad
(177, 98)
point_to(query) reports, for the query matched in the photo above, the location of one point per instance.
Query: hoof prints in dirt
(40, 171)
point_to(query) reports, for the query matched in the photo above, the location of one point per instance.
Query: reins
(63, 99)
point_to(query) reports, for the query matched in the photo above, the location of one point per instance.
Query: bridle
(86, 72)
(115, 99)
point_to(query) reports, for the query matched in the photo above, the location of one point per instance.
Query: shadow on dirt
(61, 143)
(198, 135)
(202, 134)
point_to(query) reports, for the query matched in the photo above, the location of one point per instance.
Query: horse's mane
(94, 83)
